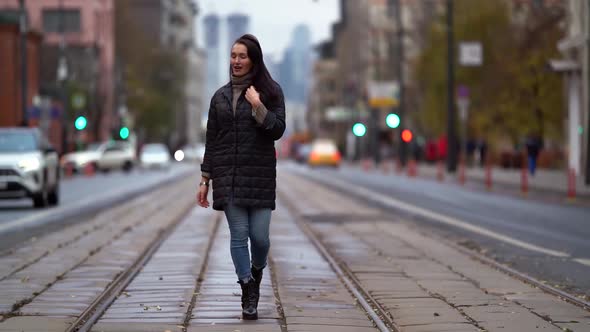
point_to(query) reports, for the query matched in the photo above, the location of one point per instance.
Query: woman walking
(246, 117)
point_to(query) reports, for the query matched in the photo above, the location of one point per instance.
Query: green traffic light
(359, 129)
(124, 133)
(80, 123)
(392, 120)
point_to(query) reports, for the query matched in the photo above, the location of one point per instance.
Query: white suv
(28, 166)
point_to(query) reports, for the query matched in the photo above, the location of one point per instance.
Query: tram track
(91, 315)
(534, 282)
(375, 312)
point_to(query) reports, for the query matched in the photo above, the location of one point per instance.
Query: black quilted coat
(239, 153)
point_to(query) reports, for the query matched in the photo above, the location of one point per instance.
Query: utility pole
(587, 45)
(62, 74)
(23, 49)
(403, 146)
(451, 135)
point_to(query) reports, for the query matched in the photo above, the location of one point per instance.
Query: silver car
(29, 166)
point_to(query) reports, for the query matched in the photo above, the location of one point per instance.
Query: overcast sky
(272, 21)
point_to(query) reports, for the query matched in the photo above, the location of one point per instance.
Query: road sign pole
(451, 135)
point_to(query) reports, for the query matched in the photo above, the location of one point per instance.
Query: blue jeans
(247, 223)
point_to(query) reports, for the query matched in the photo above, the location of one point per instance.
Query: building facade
(574, 66)
(171, 24)
(11, 74)
(78, 34)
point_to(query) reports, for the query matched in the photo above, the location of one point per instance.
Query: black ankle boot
(250, 294)
(256, 274)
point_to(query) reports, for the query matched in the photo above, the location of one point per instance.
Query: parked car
(154, 155)
(116, 155)
(193, 152)
(324, 152)
(103, 156)
(302, 152)
(29, 166)
(80, 159)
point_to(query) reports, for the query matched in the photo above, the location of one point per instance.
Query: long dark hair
(261, 79)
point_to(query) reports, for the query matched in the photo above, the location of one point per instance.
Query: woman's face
(240, 62)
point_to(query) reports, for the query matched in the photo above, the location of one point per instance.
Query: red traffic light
(406, 135)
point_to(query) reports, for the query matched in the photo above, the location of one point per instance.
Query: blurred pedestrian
(246, 117)
(482, 146)
(533, 144)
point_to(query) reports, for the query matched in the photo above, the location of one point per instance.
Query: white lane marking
(441, 218)
(583, 261)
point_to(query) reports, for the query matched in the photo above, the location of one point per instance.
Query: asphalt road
(549, 241)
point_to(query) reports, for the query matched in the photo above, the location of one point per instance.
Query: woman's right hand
(202, 196)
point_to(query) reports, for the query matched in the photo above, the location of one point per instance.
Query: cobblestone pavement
(188, 283)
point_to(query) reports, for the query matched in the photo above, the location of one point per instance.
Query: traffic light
(392, 120)
(359, 129)
(407, 135)
(124, 132)
(80, 122)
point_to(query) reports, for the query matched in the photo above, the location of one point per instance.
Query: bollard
(365, 163)
(89, 169)
(398, 166)
(412, 168)
(385, 166)
(524, 181)
(488, 176)
(462, 173)
(571, 184)
(440, 174)
(68, 170)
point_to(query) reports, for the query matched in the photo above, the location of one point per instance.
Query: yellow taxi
(324, 152)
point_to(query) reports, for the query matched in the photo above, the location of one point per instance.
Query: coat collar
(227, 92)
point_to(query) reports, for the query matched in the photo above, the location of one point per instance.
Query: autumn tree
(153, 77)
(513, 93)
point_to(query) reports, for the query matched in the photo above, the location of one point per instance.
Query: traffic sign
(383, 94)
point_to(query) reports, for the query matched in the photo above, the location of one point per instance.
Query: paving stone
(35, 324)
(137, 327)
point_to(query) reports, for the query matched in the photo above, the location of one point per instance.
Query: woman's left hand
(253, 97)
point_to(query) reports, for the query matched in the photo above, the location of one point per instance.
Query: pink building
(87, 24)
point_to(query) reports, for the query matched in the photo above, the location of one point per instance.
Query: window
(66, 20)
(10, 14)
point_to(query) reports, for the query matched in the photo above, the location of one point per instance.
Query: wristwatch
(204, 183)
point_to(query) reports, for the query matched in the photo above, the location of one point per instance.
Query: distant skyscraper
(295, 69)
(237, 25)
(211, 29)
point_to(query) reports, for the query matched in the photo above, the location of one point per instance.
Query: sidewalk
(547, 181)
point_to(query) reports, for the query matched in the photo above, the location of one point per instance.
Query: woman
(246, 117)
